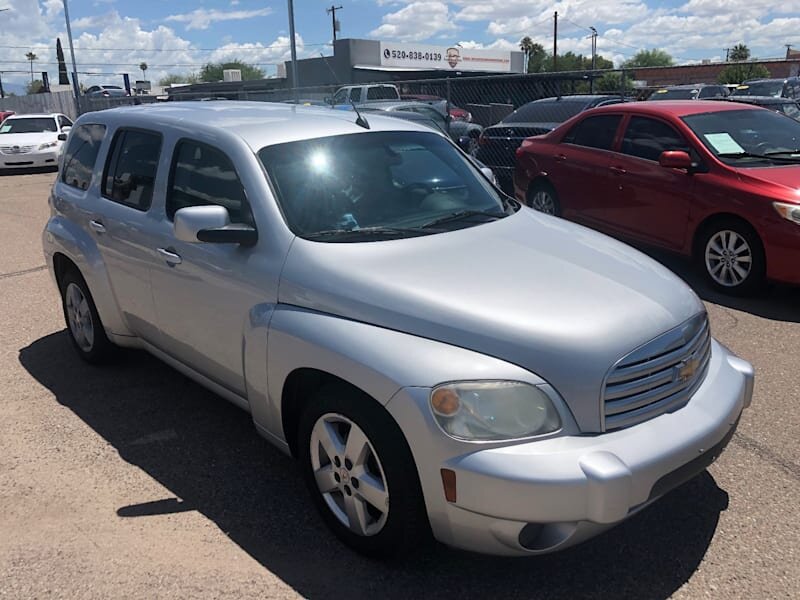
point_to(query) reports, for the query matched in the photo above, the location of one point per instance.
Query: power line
(243, 49)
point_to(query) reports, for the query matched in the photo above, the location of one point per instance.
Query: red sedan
(717, 182)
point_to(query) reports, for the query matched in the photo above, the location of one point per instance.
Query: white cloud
(202, 18)
(258, 53)
(94, 22)
(415, 22)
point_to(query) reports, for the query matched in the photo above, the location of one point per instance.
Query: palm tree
(143, 68)
(31, 57)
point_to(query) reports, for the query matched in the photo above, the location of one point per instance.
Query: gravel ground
(132, 481)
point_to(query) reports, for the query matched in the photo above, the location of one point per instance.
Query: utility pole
(727, 54)
(293, 46)
(594, 58)
(555, 41)
(334, 23)
(75, 85)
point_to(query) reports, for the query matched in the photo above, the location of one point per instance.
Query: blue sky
(114, 36)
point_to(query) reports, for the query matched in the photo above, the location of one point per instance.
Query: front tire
(360, 473)
(731, 257)
(542, 197)
(83, 322)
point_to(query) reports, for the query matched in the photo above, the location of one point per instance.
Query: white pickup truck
(359, 94)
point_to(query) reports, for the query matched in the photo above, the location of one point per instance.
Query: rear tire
(354, 458)
(542, 197)
(85, 329)
(730, 256)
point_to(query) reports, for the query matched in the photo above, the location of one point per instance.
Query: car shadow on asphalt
(27, 171)
(207, 454)
(775, 302)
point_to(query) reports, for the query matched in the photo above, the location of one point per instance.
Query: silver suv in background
(437, 357)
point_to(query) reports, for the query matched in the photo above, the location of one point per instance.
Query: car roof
(762, 100)
(259, 124)
(763, 79)
(688, 86)
(389, 104)
(583, 98)
(675, 108)
(36, 115)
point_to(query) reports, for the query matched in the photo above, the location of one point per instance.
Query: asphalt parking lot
(132, 481)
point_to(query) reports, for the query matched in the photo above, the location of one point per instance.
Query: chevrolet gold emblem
(685, 369)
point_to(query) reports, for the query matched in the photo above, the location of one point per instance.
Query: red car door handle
(617, 170)
(560, 157)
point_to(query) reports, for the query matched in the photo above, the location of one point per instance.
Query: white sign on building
(453, 58)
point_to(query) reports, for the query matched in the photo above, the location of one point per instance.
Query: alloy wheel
(728, 258)
(79, 317)
(349, 475)
(543, 202)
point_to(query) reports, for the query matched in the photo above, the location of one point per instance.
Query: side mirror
(328, 100)
(489, 174)
(675, 159)
(66, 129)
(211, 224)
(62, 137)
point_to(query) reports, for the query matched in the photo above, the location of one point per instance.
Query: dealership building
(365, 61)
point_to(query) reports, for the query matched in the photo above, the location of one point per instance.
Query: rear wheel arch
(539, 184)
(61, 265)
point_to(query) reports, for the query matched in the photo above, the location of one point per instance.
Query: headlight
(788, 211)
(493, 410)
(47, 145)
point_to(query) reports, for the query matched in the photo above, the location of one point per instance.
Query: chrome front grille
(657, 377)
(16, 149)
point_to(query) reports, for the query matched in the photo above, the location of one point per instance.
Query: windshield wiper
(366, 232)
(463, 214)
(779, 152)
(767, 156)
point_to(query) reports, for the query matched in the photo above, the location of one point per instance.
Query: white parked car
(29, 141)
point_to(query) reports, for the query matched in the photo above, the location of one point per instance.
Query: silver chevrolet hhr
(439, 359)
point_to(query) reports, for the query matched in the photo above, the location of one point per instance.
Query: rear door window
(647, 138)
(595, 132)
(81, 155)
(355, 95)
(204, 176)
(130, 172)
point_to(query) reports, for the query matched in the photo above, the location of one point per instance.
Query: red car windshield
(748, 138)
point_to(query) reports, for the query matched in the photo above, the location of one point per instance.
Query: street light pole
(75, 86)
(293, 46)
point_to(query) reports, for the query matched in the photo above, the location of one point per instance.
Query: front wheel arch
(735, 223)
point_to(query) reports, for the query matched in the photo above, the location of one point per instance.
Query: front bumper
(30, 160)
(539, 496)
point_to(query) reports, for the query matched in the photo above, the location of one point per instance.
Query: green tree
(143, 68)
(742, 72)
(34, 87)
(31, 57)
(739, 52)
(649, 58)
(213, 71)
(177, 78)
(612, 82)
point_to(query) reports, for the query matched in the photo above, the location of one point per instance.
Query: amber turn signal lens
(449, 484)
(445, 402)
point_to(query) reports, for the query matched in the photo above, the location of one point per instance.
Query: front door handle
(97, 226)
(170, 257)
(560, 157)
(617, 170)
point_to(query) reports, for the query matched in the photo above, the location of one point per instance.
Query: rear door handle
(560, 157)
(617, 170)
(170, 257)
(97, 226)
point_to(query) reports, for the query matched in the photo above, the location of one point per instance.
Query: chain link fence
(494, 112)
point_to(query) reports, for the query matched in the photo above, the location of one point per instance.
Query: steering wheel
(419, 188)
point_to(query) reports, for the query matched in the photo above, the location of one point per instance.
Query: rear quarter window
(594, 132)
(81, 155)
(131, 168)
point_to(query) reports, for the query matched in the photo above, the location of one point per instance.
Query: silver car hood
(556, 298)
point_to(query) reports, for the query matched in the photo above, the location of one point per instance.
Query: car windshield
(760, 88)
(31, 125)
(679, 94)
(545, 112)
(378, 185)
(748, 138)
